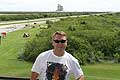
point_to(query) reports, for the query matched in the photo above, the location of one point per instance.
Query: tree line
(10, 16)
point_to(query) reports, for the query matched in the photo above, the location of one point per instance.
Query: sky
(68, 5)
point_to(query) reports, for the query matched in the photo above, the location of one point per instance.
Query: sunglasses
(58, 41)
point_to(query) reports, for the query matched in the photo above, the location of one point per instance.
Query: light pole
(27, 21)
(0, 38)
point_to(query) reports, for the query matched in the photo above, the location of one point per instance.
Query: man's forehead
(59, 36)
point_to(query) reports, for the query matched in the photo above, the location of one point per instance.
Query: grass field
(102, 72)
(13, 44)
(10, 47)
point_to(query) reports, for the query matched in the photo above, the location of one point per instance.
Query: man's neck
(58, 52)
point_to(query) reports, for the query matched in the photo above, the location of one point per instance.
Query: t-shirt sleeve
(37, 65)
(76, 69)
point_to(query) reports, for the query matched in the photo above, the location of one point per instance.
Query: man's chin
(61, 48)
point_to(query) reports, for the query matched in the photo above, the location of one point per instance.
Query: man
(56, 64)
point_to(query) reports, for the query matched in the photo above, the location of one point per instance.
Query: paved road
(14, 27)
(10, 26)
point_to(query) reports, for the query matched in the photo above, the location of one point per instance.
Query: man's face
(59, 42)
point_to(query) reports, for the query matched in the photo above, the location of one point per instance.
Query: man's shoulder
(45, 53)
(48, 51)
(71, 57)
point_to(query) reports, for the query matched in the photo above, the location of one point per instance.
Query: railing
(13, 78)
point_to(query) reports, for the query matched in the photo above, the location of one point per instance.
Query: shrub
(49, 25)
(62, 19)
(81, 57)
(35, 47)
(91, 41)
(71, 28)
(117, 57)
(49, 22)
(81, 49)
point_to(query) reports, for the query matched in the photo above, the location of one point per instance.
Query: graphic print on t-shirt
(56, 71)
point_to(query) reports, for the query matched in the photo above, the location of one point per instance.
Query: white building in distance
(59, 7)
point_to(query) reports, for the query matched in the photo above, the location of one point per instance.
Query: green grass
(102, 72)
(10, 47)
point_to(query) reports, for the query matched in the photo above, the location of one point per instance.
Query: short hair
(62, 33)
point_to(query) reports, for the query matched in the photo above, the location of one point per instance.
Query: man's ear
(66, 40)
(52, 43)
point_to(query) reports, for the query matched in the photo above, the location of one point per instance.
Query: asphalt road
(16, 25)
(10, 26)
